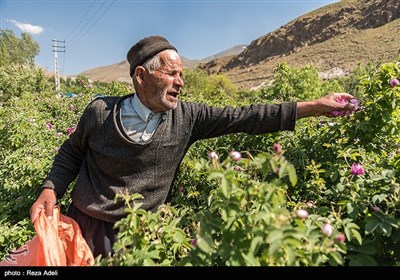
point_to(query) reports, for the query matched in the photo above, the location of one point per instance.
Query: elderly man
(135, 143)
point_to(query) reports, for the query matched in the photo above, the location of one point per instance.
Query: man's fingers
(46, 202)
(49, 211)
(35, 212)
(46, 207)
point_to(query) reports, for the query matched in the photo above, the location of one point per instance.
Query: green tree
(14, 50)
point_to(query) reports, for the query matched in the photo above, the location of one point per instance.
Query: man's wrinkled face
(162, 86)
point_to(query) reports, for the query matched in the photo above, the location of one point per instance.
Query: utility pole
(57, 72)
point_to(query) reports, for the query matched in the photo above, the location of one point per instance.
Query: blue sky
(100, 32)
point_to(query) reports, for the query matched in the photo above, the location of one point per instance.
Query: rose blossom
(277, 148)
(341, 113)
(236, 156)
(70, 130)
(194, 242)
(356, 104)
(376, 208)
(301, 213)
(327, 229)
(58, 134)
(310, 204)
(49, 126)
(213, 155)
(394, 82)
(340, 238)
(357, 169)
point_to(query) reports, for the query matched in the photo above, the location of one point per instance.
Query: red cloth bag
(58, 242)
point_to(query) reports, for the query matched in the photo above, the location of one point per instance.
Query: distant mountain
(335, 39)
(120, 71)
(231, 51)
(114, 72)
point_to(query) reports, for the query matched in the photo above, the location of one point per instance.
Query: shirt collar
(144, 112)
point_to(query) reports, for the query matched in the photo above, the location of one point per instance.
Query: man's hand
(322, 106)
(46, 200)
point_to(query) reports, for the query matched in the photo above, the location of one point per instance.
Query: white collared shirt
(138, 121)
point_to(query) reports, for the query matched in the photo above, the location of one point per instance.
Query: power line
(77, 40)
(80, 32)
(79, 23)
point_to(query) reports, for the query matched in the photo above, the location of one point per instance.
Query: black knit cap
(145, 49)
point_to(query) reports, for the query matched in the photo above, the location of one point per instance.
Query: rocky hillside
(334, 38)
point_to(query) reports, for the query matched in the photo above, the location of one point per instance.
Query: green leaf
(368, 249)
(250, 260)
(370, 226)
(226, 187)
(350, 208)
(282, 170)
(357, 235)
(214, 175)
(290, 254)
(274, 236)
(255, 244)
(230, 221)
(343, 202)
(362, 260)
(337, 257)
(386, 228)
(274, 247)
(377, 177)
(274, 165)
(293, 242)
(206, 244)
(292, 174)
(179, 235)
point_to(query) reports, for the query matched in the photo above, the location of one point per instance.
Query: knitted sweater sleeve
(252, 119)
(68, 160)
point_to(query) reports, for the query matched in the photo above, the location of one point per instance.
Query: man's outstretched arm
(322, 106)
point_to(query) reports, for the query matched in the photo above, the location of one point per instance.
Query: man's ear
(139, 73)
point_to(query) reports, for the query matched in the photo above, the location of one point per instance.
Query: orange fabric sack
(58, 242)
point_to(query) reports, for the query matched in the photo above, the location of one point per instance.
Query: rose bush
(238, 199)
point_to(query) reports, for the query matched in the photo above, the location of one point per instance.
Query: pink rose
(376, 208)
(357, 169)
(49, 126)
(236, 156)
(341, 113)
(301, 213)
(340, 238)
(70, 130)
(394, 82)
(327, 229)
(277, 148)
(213, 155)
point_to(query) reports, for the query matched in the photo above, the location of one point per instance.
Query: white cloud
(27, 27)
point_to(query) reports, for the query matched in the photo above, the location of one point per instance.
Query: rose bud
(301, 213)
(277, 148)
(340, 238)
(376, 208)
(213, 155)
(236, 156)
(327, 229)
(394, 82)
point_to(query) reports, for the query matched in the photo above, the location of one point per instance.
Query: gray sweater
(105, 161)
